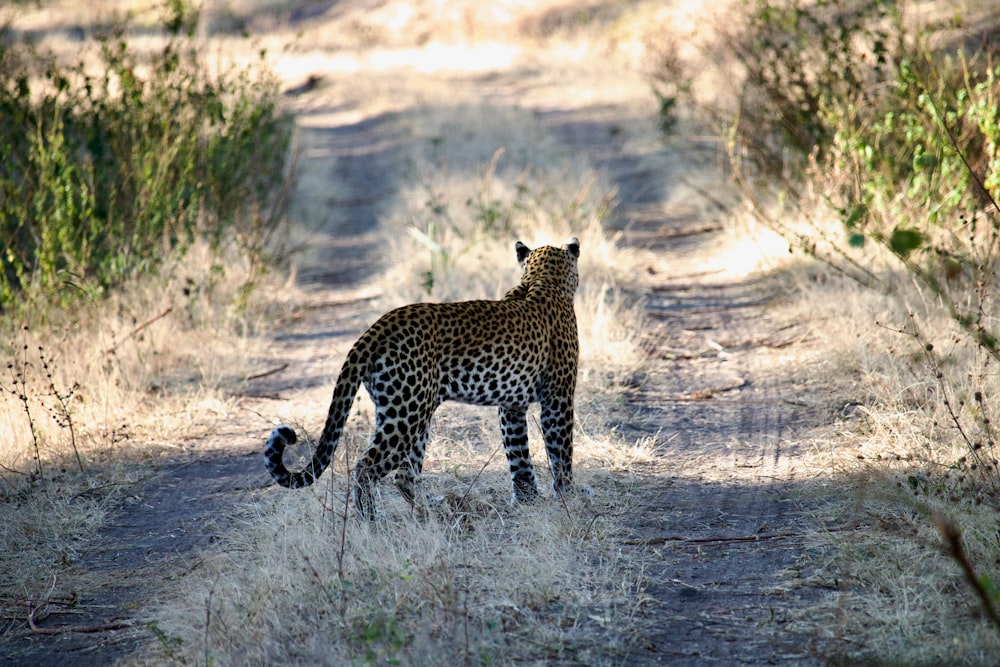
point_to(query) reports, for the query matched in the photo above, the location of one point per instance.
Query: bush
(104, 175)
(897, 130)
(791, 61)
(803, 61)
(920, 175)
(901, 137)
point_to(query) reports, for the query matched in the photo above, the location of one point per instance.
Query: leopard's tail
(340, 406)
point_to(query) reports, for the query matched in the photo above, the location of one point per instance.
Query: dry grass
(474, 582)
(91, 397)
(896, 463)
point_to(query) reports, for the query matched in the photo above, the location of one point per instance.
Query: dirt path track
(725, 516)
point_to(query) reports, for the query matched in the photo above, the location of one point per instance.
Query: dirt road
(723, 513)
(728, 514)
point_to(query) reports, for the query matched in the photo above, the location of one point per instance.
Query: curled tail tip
(285, 433)
(280, 437)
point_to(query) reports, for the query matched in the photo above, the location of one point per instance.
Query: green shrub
(105, 175)
(921, 176)
(802, 59)
(855, 110)
(794, 61)
(852, 100)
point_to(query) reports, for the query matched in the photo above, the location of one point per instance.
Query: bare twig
(139, 327)
(936, 366)
(957, 147)
(342, 547)
(64, 414)
(273, 371)
(468, 489)
(952, 537)
(95, 489)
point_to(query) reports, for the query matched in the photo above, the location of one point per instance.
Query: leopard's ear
(522, 252)
(573, 246)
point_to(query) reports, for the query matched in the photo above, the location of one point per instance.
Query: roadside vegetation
(868, 135)
(138, 191)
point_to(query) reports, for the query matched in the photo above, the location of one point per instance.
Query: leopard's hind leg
(399, 443)
(409, 472)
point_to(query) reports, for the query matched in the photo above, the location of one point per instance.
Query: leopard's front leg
(557, 429)
(514, 427)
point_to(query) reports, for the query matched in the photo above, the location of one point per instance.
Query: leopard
(508, 353)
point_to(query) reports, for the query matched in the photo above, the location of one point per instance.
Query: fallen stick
(138, 328)
(258, 376)
(666, 539)
(100, 627)
(33, 613)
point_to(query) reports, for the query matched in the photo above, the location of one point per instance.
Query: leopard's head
(551, 266)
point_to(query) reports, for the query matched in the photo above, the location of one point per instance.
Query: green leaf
(924, 161)
(989, 586)
(904, 241)
(858, 212)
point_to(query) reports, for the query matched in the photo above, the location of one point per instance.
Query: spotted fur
(509, 353)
